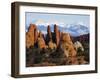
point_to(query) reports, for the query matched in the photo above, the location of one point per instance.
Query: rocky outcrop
(52, 45)
(54, 48)
(30, 39)
(41, 41)
(49, 32)
(49, 35)
(35, 35)
(67, 45)
(57, 35)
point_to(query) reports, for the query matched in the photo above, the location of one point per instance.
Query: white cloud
(45, 23)
(40, 21)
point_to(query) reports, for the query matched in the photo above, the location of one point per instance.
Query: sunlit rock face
(30, 39)
(41, 41)
(67, 45)
(52, 45)
(32, 27)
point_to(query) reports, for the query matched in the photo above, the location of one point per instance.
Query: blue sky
(47, 18)
(63, 20)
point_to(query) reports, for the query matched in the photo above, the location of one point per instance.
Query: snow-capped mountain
(73, 29)
(77, 30)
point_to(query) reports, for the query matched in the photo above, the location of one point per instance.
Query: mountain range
(73, 29)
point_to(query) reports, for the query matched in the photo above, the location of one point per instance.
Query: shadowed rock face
(49, 32)
(67, 45)
(57, 35)
(49, 35)
(35, 35)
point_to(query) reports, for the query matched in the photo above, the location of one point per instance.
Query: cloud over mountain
(73, 29)
(77, 30)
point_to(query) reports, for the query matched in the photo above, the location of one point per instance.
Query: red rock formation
(49, 32)
(35, 35)
(67, 45)
(57, 35)
(49, 35)
(30, 38)
(32, 27)
(41, 41)
(51, 45)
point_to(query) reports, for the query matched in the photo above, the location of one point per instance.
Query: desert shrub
(57, 57)
(80, 52)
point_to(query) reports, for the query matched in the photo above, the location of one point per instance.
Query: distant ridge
(72, 29)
